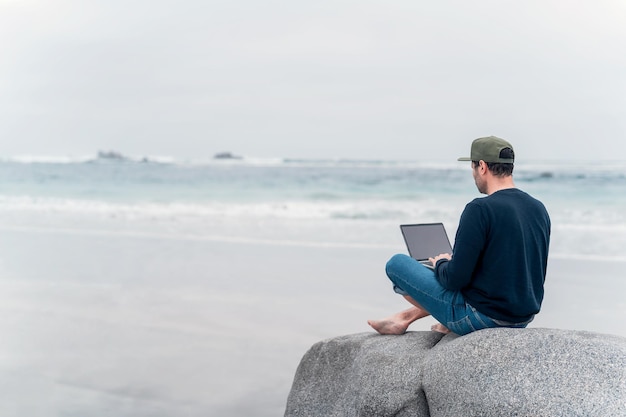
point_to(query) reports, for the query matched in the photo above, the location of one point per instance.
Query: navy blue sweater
(500, 255)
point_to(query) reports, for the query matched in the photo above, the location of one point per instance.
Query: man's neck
(500, 183)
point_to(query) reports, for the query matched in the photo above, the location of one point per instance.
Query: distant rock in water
(115, 156)
(111, 155)
(226, 155)
(489, 373)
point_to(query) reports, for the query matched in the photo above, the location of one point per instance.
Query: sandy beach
(140, 325)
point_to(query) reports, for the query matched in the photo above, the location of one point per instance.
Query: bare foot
(440, 328)
(388, 326)
(398, 323)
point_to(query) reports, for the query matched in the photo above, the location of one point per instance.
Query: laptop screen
(426, 240)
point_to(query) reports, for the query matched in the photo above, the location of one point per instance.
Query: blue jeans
(449, 307)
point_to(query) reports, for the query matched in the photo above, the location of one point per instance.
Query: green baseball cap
(488, 149)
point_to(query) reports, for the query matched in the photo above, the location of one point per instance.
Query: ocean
(160, 287)
(306, 202)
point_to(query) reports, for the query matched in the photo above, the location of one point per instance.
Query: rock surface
(493, 372)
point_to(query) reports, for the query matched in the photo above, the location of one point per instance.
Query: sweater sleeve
(468, 245)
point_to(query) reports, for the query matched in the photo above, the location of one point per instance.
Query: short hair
(500, 169)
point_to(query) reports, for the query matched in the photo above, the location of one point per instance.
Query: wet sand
(100, 325)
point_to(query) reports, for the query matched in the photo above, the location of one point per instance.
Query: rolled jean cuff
(399, 290)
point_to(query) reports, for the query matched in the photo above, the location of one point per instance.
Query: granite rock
(362, 375)
(492, 372)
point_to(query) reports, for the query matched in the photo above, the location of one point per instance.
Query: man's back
(500, 255)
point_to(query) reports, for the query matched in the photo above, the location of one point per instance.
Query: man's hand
(441, 256)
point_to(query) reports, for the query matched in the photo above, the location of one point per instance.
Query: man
(496, 274)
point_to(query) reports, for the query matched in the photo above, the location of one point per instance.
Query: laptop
(425, 240)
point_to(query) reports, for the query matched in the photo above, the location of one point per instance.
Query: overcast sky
(404, 79)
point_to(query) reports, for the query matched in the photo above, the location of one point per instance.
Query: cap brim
(464, 158)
